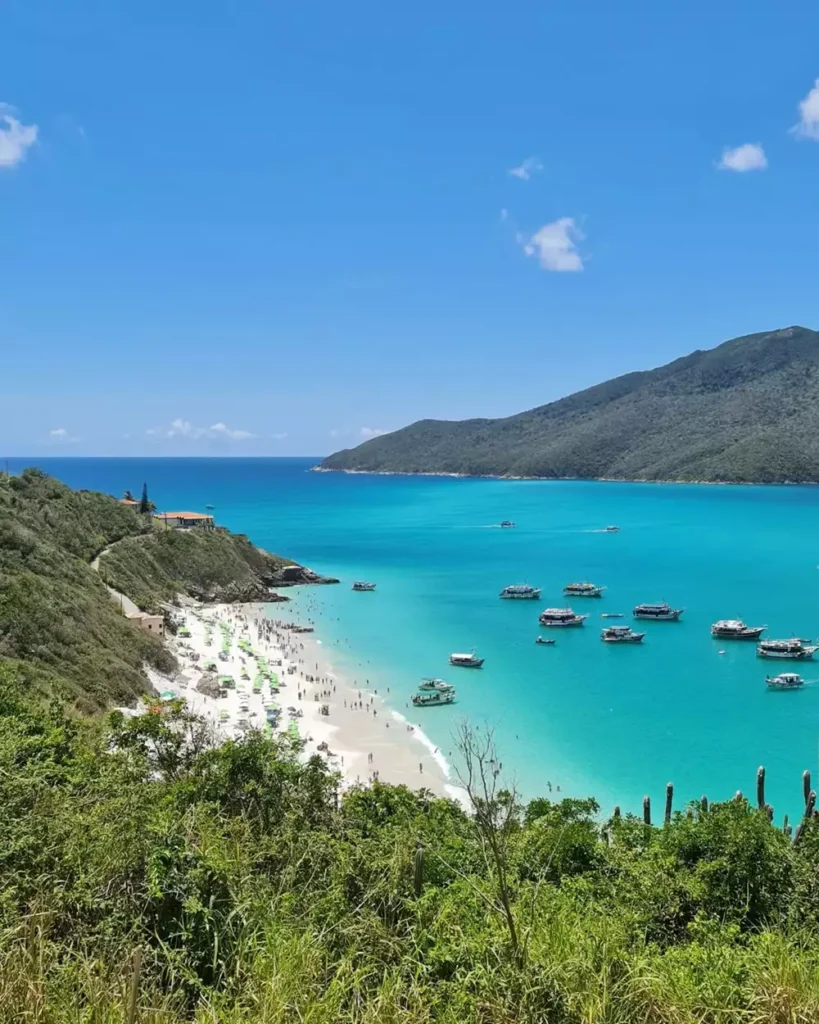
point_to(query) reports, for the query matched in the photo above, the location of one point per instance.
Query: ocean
(616, 723)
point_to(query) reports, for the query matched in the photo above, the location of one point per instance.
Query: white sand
(366, 739)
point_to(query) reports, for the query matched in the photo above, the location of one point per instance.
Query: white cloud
(554, 245)
(530, 166)
(369, 432)
(184, 428)
(61, 436)
(15, 137)
(504, 215)
(808, 127)
(749, 157)
(276, 437)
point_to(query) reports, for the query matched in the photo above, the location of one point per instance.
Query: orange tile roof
(183, 515)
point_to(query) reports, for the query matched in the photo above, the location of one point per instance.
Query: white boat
(612, 615)
(785, 681)
(543, 640)
(583, 590)
(362, 586)
(735, 629)
(431, 700)
(790, 650)
(561, 617)
(520, 592)
(470, 660)
(621, 635)
(438, 685)
(657, 612)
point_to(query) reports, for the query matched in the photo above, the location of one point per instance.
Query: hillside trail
(126, 604)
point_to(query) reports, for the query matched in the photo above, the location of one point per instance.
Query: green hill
(746, 411)
(59, 627)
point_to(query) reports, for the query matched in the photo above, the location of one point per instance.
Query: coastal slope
(746, 411)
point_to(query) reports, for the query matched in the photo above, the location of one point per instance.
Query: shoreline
(565, 479)
(360, 735)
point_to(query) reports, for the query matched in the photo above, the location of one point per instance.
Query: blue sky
(262, 228)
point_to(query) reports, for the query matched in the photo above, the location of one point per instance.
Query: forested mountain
(747, 410)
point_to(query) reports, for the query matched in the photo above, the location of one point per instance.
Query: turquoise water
(615, 722)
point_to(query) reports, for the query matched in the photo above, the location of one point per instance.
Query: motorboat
(785, 681)
(735, 629)
(470, 660)
(507, 524)
(545, 641)
(361, 586)
(431, 700)
(561, 617)
(612, 529)
(612, 615)
(583, 590)
(657, 612)
(438, 685)
(793, 650)
(520, 592)
(621, 635)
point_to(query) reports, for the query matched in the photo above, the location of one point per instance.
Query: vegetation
(57, 620)
(745, 411)
(191, 882)
(58, 623)
(211, 565)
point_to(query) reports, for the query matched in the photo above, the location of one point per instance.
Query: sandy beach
(347, 724)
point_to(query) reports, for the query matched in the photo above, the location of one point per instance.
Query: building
(185, 520)
(150, 623)
(129, 502)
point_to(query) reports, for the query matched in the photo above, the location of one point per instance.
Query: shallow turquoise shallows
(615, 722)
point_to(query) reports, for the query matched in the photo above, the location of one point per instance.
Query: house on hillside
(129, 502)
(150, 623)
(185, 520)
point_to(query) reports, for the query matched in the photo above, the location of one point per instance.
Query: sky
(269, 228)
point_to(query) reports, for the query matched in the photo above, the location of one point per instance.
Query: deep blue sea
(613, 722)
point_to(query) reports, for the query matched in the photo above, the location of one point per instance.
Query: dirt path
(126, 604)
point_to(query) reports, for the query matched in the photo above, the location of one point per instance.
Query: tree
(128, 496)
(146, 507)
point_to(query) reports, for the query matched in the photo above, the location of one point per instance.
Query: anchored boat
(431, 700)
(785, 681)
(470, 660)
(657, 612)
(621, 635)
(520, 592)
(438, 685)
(735, 629)
(792, 650)
(543, 640)
(561, 617)
(362, 586)
(583, 590)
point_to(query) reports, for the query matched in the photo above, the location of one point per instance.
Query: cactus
(769, 812)
(617, 811)
(760, 787)
(806, 785)
(738, 796)
(703, 803)
(787, 830)
(808, 814)
(785, 825)
(669, 799)
(647, 810)
(418, 871)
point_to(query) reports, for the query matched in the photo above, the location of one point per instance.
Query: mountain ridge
(746, 411)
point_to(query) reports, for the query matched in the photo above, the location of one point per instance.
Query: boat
(735, 629)
(621, 635)
(612, 529)
(507, 524)
(657, 612)
(793, 650)
(438, 685)
(361, 586)
(431, 700)
(785, 681)
(612, 615)
(561, 617)
(583, 590)
(470, 660)
(520, 592)
(544, 640)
